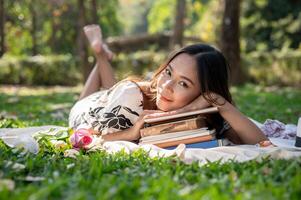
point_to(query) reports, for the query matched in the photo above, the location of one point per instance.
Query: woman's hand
(135, 130)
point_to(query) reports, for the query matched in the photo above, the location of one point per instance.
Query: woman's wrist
(220, 102)
(224, 107)
(134, 133)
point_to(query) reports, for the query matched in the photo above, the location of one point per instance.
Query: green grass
(261, 103)
(136, 176)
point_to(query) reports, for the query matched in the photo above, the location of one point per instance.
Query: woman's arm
(132, 133)
(129, 134)
(241, 126)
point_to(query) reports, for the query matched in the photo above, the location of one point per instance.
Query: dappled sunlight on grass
(262, 103)
(38, 105)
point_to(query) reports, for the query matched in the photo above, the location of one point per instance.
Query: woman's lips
(165, 99)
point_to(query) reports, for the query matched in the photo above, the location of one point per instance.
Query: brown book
(188, 124)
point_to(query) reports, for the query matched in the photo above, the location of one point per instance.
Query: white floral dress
(108, 111)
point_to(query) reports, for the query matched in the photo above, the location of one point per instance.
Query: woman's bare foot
(106, 51)
(99, 48)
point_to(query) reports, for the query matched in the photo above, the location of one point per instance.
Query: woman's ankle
(100, 57)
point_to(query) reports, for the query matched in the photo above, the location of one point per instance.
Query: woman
(193, 77)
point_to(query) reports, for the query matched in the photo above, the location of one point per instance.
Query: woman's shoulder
(130, 84)
(125, 88)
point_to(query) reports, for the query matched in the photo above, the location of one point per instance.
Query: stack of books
(188, 128)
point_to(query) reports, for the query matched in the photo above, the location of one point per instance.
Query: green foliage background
(270, 34)
(271, 24)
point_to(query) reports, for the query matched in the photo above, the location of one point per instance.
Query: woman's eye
(183, 84)
(168, 72)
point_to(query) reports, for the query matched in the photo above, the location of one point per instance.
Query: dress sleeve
(118, 110)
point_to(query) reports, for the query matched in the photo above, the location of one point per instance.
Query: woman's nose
(168, 85)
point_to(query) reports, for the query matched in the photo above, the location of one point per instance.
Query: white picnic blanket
(285, 147)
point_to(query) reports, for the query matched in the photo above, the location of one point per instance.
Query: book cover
(204, 145)
(189, 124)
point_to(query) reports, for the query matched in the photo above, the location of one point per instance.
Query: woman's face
(178, 83)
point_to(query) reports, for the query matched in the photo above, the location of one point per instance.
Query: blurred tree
(55, 24)
(81, 40)
(17, 27)
(60, 28)
(160, 17)
(94, 11)
(271, 24)
(134, 15)
(178, 30)
(204, 20)
(48, 27)
(230, 45)
(108, 17)
(33, 12)
(2, 24)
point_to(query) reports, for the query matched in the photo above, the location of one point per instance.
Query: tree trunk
(54, 29)
(33, 28)
(177, 38)
(230, 45)
(94, 12)
(2, 24)
(81, 40)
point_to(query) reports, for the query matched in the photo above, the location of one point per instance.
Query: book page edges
(180, 134)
